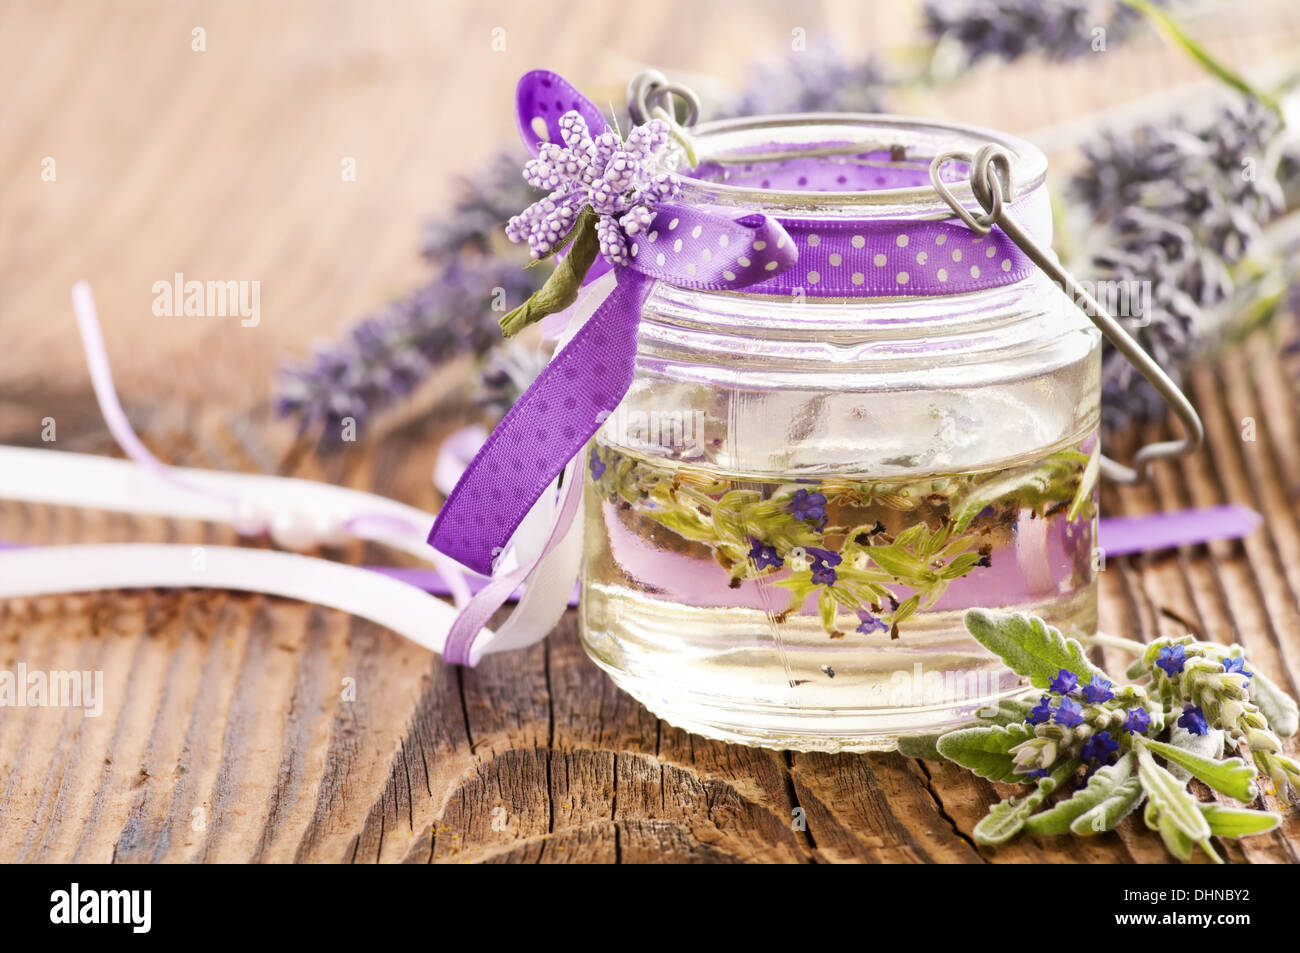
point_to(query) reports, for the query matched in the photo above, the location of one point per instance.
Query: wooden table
(242, 728)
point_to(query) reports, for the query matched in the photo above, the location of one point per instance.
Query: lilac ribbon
(702, 247)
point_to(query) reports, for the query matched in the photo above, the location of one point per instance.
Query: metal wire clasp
(990, 180)
(649, 94)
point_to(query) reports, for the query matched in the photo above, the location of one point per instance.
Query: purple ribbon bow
(567, 403)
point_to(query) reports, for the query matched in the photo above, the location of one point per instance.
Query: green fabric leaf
(1276, 705)
(984, 750)
(1234, 822)
(561, 288)
(1102, 785)
(1232, 776)
(1029, 646)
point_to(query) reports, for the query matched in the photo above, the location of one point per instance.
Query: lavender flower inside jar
(810, 480)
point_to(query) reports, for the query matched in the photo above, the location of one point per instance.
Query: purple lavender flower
(386, 355)
(1177, 212)
(1193, 719)
(622, 182)
(1098, 690)
(868, 623)
(823, 561)
(596, 465)
(1064, 682)
(1172, 658)
(1100, 748)
(762, 555)
(1041, 712)
(807, 506)
(820, 78)
(1237, 666)
(1138, 721)
(1070, 713)
(1009, 29)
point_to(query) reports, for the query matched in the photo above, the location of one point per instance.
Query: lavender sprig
(389, 353)
(820, 78)
(1081, 718)
(1177, 206)
(1009, 29)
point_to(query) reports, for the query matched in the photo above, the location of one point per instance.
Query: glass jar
(799, 496)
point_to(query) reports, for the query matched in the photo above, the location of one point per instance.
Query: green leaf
(1209, 745)
(1007, 818)
(1086, 483)
(1118, 805)
(1234, 822)
(1029, 646)
(920, 746)
(1174, 32)
(561, 288)
(1105, 784)
(1232, 776)
(826, 607)
(1276, 705)
(1007, 711)
(1171, 809)
(984, 750)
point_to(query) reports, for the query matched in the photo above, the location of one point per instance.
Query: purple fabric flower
(596, 465)
(1237, 666)
(1070, 713)
(623, 182)
(1064, 682)
(869, 623)
(808, 506)
(1100, 748)
(1172, 658)
(763, 555)
(1138, 721)
(1041, 712)
(1193, 719)
(1098, 690)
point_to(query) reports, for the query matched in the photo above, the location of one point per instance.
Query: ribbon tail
(549, 424)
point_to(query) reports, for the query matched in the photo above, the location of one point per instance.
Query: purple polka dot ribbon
(703, 248)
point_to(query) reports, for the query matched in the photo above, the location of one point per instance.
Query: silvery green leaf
(1007, 711)
(1234, 822)
(1136, 670)
(1119, 804)
(920, 746)
(1007, 818)
(1171, 809)
(1232, 776)
(1003, 821)
(1208, 745)
(1029, 646)
(1101, 786)
(984, 750)
(1276, 705)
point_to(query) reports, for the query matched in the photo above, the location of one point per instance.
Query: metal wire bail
(650, 91)
(990, 180)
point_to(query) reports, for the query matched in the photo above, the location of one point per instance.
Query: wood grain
(242, 728)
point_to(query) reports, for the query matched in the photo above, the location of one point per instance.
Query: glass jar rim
(919, 138)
